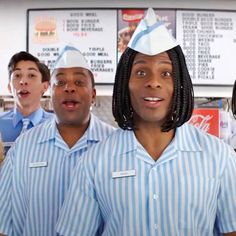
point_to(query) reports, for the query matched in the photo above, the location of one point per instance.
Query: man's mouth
(70, 104)
(153, 99)
(23, 92)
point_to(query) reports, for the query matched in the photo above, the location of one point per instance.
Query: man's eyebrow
(59, 73)
(79, 73)
(31, 68)
(139, 62)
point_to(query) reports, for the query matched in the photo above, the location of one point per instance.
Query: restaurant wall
(13, 24)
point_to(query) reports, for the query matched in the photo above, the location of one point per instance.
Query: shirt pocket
(199, 203)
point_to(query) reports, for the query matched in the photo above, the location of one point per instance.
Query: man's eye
(16, 76)
(31, 76)
(80, 82)
(141, 73)
(60, 83)
(166, 74)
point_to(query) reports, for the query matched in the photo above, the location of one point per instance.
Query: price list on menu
(208, 39)
(93, 32)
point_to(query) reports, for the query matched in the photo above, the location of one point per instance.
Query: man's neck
(26, 111)
(154, 140)
(72, 133)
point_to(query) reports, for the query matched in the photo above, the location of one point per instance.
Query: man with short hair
(28, 80)
(38, 169)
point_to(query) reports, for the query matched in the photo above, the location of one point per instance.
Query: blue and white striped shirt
(35, 177)
(117, 187)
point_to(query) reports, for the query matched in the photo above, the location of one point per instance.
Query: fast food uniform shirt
(36, 176)
(11, 124)
(189, 191)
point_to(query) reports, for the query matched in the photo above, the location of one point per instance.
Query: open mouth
(152, 102)
(23, 93)
(70, 104)
(153, 99)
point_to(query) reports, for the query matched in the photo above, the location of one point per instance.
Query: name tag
(125, 173)
(38, 164)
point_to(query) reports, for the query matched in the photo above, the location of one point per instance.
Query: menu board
(208, 39)
(93, 32)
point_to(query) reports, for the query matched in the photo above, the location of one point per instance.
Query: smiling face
(26, 85)
(72, 95)
(151, 88)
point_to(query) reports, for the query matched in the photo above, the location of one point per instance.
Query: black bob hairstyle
(183, 97)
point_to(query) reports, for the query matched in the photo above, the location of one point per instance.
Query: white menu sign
(93, 32)
(208, 39)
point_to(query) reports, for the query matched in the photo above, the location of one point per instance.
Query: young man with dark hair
(28, 80)
(157, 175)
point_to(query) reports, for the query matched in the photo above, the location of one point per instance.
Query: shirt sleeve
(226, 210)
(80, 214)
(5, 196)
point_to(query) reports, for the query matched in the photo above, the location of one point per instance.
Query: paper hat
(71, 57)
(151, 36)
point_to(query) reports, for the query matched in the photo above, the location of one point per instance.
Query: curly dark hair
(183, 97)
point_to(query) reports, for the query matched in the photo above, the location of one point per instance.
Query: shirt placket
(154, 205)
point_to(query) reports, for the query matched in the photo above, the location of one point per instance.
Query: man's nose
(70, 88)
(153, 81)
(23, 81)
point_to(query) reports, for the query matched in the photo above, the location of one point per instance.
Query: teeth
(151, 99)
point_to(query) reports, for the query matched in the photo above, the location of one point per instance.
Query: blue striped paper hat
(71, 57)
(151, 37)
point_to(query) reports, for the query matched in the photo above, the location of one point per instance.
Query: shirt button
(155, 196)
(156, 227)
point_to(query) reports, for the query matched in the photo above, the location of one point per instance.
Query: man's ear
(45, 87)
(94, 96)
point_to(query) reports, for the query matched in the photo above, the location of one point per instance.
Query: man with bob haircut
(156, 175)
